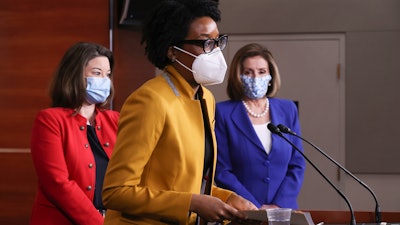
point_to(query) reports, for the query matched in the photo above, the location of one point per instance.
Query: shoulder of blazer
(228, 104)
(282, 104)
(114, 115)
(60, 114)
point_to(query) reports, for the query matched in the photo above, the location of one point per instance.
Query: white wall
(372, 30)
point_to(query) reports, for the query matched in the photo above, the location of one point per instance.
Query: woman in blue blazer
(261, 167)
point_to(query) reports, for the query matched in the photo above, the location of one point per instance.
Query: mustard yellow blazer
(157, 162)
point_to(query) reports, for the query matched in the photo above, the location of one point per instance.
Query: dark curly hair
(168, 24)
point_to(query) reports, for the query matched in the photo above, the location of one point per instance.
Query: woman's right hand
(269, 207)
(212, 209)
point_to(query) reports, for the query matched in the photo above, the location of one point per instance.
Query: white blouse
(264, 135)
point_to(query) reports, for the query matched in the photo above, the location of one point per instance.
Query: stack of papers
(297, 217)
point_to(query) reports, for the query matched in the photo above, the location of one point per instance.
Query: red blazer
(65, 165)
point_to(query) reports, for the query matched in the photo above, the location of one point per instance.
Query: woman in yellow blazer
(166, 138)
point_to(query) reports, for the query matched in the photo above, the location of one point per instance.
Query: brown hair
(68, 87)
(235, 89)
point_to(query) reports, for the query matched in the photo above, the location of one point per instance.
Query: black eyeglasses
(210, 43)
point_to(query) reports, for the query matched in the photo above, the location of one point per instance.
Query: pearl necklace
(257, 115)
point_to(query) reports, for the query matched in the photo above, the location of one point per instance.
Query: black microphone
(287, 130)
(276, 130)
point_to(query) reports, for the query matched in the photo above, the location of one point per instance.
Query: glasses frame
(209, 42)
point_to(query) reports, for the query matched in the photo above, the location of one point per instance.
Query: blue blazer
(243, 165)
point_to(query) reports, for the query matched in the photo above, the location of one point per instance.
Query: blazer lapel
(242, 122)
(276, 118)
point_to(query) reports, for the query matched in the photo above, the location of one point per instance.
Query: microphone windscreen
(273, 128)
(285, 129)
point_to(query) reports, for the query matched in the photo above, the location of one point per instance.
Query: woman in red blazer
(72, 141)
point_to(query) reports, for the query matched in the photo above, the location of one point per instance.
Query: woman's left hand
(240, 203)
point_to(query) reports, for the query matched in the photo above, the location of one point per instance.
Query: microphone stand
(275, 130)
(287, 130)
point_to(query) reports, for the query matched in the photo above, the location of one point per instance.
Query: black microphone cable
(287, 130)
(276, 130)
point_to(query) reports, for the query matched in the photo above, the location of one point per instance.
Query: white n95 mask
(207, 68)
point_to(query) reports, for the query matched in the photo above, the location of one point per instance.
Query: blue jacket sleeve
(292, 183)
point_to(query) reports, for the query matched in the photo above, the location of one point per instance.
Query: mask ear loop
(269, 80)
(180, 63)
(182, 50)
(185, 66)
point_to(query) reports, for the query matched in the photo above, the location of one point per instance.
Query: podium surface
(344, 217)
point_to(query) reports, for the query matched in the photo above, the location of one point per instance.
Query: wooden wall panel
(17, 188)
(132, 68)
(33, 37)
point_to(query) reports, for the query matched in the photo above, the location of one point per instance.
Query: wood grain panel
(132, 68)
(17, 188)
(33, 37)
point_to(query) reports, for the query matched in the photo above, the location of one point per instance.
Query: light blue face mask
(97, 89)
(255, 87)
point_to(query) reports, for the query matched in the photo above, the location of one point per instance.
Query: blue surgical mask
(255, 87)
(97, 89)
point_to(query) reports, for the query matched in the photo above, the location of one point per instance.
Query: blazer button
(82, 128)
(266, 180)
(98, 127)
(106, 144)
(90, 165)
(86, 145)
(89, 188)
